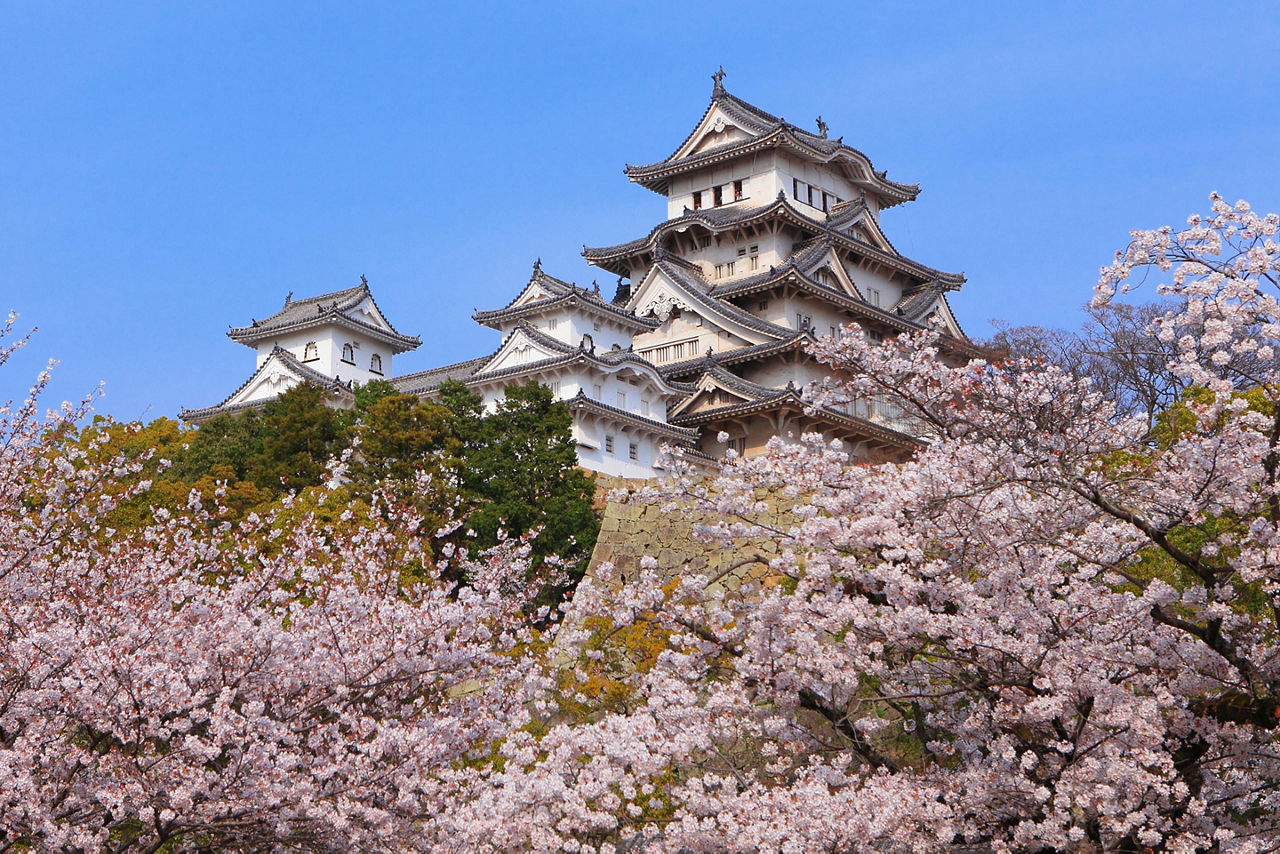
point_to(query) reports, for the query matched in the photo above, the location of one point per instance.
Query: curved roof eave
(715, 224)
(250, 335)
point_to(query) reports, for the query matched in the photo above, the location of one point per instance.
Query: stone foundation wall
(631, 530)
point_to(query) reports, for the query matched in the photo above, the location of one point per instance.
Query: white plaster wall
(819, 176)
(642, 397)
(890, 288)
(757, 172)
(329, 350)
(590, 432)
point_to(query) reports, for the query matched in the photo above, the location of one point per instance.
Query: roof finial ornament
(782, 194)
(718, 77)
(822, 128)
(537, 265)
(364, 283)
(595, 286)
(288, 298)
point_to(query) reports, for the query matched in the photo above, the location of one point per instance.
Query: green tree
(300, 435)
(520, 469)
(371, 392)
(231, 443)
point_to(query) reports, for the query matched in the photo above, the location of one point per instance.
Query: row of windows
(718, 194)
(672, 352)
(553, 323)
(311, 353)
(633, 448)
(813, 196)
(751, 262)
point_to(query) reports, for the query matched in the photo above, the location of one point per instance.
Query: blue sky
(164, 174)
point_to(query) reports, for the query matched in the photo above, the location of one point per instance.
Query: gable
(662, 297)
(715, 129)
(834, 275)
(533, 292)
(366, 311)
(711, 394)
(945, 320)
(520, 348)
(273, 379)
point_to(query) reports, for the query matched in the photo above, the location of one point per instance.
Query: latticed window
(310, 352)
(375, 363)
(348, 354)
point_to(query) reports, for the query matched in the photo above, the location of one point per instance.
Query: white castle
(772, 238)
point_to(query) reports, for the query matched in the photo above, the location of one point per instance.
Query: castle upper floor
(741, 156)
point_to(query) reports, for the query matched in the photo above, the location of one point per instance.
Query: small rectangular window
(644, 407)
(873, 296)
(719, 271)
(825, 201)
(737, 190)
(728, 268)
(742, 251)
(755, 262)
(706, 241)
(553, 323)
(622, 400)
(717, 196)
(697, 200)
(608, 443)
(596, 391)
(795, 189)
(755, 247)
(633, 451)
(764, 303)
(810, 195)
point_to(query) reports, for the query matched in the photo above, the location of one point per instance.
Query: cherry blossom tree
(198, 686)
(1047, 631)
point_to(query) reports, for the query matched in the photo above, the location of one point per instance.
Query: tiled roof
(720, 219)
(325, 308)
(291, 362)
(790, 398)
(422, 381)
(689, 367)
(915, 304)
(698, 288)
(566, 354)
(588, 300)
(680, 434)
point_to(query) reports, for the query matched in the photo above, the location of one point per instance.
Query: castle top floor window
(348, 354)
(717, 195)
(697, 200)
(737, 190)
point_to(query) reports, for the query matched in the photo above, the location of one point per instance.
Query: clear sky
(165, 173)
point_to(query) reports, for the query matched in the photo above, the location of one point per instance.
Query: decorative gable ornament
(661, 307)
